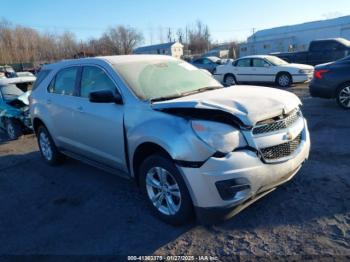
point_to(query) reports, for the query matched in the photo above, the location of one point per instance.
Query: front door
(99, 126)
(60, 102)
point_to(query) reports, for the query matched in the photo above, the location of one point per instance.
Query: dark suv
(332, 80)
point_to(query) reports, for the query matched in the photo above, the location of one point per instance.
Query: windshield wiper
(200, 90)
(164, 98)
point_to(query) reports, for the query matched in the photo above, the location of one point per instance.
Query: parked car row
(329, 80)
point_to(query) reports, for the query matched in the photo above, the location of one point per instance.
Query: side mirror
(266, 65)
(105, 96)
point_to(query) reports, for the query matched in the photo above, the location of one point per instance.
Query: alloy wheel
(284, 80)
(163, 191)
(45, 146)
(344, 97)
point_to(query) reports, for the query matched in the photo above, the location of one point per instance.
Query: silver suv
(193, 146)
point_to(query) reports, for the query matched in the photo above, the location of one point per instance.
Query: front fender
(174, 134)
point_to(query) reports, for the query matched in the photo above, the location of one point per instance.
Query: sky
(227, 19)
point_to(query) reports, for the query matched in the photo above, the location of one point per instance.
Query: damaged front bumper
(244, 175)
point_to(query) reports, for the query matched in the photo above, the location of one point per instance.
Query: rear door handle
(48, 101)
(80, 108)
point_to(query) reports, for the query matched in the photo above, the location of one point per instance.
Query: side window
(258, 62)
(93, 79)
(64, 82)
(243, 63)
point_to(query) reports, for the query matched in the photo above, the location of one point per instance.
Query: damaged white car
(193, 146)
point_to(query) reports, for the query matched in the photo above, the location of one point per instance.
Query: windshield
(10, 92)
(154, 79)
(276, 61)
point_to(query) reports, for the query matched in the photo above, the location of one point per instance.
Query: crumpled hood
(250, 104)
(21, 101)
(24, 97)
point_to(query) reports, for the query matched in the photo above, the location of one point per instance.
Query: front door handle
(48, 101)
(80, 108)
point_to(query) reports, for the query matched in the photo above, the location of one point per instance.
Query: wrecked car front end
(262, 147)
(15, 108)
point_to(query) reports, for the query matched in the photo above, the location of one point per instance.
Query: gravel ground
(77, 209)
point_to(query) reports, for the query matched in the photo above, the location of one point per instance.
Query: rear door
(60, 102)
(243, 70)
(99, 126)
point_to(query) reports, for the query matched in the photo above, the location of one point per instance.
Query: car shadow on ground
(74, 209)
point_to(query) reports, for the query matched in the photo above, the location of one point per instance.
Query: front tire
(343, 96)
(13, 129)
(48, 149)
(165, 190)
(284, 80)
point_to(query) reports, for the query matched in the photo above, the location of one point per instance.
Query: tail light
(319, 73)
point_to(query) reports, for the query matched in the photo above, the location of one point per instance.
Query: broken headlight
(221, 137)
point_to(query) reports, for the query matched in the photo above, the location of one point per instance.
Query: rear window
(64, 82)
(40, 77)
(243, 63)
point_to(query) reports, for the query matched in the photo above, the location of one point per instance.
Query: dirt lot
(77, 209)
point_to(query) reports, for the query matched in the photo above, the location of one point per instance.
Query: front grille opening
(282, 150)
(271, 125)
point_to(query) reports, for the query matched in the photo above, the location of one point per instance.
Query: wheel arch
(143, 151)
(230, 74)
(340, 86)
(284, 72)
(37, 122)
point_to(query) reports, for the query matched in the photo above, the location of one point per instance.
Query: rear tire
(48, 149)
(284, 80)
(230, 80)
(343, 96)
(165, 190)
(13, 128)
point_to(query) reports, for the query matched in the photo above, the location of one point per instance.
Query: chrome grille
(271, 125)
(282, 150)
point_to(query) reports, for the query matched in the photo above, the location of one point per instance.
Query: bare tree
(180, 35)
(199, 38)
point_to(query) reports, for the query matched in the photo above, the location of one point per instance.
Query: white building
(174, 49)
(295, 37)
